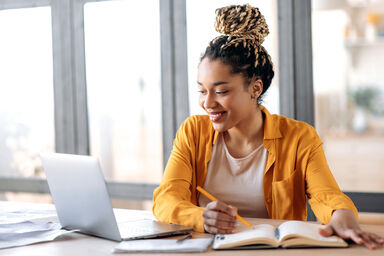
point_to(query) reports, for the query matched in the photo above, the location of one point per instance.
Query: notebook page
(263, 233)
(305, 229)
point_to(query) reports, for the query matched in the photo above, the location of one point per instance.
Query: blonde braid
(244, 25)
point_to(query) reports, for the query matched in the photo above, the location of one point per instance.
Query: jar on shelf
(372, 25)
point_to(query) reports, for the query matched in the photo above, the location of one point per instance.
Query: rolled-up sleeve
(322, 190)
(172, 200)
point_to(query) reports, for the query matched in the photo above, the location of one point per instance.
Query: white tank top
(237, 181)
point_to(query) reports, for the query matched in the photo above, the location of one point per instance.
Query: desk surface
(78, 244)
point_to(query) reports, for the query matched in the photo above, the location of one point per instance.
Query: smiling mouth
(216, 116)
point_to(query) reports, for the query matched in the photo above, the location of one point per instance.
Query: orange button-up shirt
(296, 167)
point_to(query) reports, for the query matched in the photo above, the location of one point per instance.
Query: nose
(209, 101)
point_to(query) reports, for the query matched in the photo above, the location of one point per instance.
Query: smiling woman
(225, 96)
(199, 14)
(260, 165)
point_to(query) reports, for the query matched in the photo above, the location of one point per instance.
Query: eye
(221, 92)
(201, 92)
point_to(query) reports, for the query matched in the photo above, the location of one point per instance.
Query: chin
(219, 127)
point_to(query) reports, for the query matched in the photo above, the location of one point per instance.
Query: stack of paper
(27, 232)
(27, 226)
(11, 215)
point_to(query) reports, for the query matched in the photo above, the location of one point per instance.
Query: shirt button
(269, 200)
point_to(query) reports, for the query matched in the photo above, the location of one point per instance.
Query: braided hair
(243, 28)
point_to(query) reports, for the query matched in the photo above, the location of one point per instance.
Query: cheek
(239, 104)
(201, 101)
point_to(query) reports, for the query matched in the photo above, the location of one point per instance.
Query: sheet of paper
(8, 217)
(164, 245)
(22, 224)
(37, 237)
(15, 230)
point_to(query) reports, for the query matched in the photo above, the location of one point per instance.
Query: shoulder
(197, 126)
(294, 130)
(291, 125)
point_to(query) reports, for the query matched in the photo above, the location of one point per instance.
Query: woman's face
(223, 95)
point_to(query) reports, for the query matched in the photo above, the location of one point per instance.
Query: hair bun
(242, 21)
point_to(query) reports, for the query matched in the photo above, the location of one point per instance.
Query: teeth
(215, 116)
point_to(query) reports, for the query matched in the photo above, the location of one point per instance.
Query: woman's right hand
(219, 218)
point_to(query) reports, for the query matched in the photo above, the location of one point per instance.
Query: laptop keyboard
(148, 228)
(128, 230)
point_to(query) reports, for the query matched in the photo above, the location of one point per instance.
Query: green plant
(366, 97)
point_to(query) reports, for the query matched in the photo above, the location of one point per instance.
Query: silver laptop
(82, 202)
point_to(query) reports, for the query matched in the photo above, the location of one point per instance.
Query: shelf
(362, 42)
(358, 46)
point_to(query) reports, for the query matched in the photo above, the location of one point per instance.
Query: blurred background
(348, 78)
(123, 77)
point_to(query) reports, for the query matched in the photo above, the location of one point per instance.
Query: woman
(265, 165)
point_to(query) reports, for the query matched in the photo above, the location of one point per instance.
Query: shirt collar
(271, 125)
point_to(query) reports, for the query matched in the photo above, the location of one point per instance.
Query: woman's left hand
(345, 225)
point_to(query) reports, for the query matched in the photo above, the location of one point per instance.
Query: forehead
(215, 70)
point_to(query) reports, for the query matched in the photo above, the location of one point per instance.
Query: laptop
(82, 202)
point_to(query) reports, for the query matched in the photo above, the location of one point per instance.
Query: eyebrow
(216, 83)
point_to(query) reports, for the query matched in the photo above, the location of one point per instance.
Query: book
(289, 234)
(164, 245)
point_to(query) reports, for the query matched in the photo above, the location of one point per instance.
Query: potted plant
(366, 100)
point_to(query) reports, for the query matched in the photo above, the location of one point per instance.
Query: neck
(249, 132)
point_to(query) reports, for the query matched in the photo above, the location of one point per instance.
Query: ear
(256, 88)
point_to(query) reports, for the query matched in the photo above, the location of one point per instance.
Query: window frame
(296, 81)
(70, 91)
(71, 120)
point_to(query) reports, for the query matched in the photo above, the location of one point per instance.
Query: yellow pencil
(204, 192)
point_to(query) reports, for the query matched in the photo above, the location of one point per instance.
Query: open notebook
(288, 234)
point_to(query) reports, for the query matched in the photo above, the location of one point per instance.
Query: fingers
(355, 237)
(218, 226)
(217, 230)
(345, 225)
(370, 240)
(219, 218)
(222, 207)
(378, 239)
(326, 231)
(367, 241)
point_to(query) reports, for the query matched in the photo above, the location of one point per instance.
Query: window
(26, 98)
(136, 114)
(123, 88)
(114, 40)
(348, 56)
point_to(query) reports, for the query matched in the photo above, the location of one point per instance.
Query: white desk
(78, 244)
